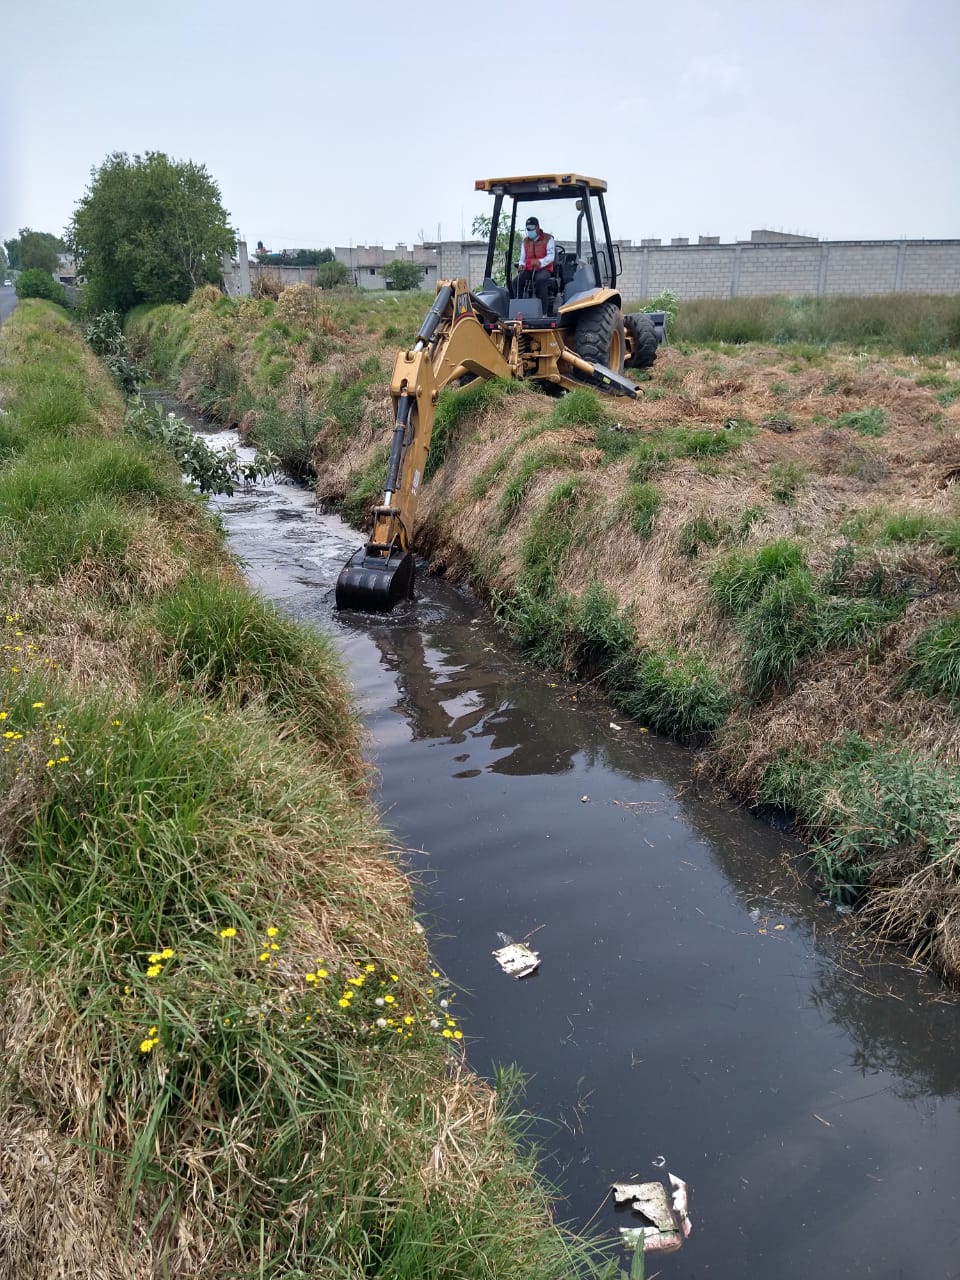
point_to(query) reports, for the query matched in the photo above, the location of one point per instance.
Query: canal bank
(696, 1003)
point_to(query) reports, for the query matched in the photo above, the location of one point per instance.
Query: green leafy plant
(212, 471)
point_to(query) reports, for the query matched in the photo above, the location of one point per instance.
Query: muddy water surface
(697, 1009)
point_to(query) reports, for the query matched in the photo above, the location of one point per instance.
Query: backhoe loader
(581, 338)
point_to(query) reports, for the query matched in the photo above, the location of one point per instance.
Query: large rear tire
(644, 335)
(599, 336)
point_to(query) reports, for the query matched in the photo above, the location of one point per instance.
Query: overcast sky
(367, 122)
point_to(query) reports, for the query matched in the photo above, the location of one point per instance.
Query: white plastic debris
(615, 726)
(516, 959)
(667, 1223)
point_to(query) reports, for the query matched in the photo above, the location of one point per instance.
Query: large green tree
(148, 229)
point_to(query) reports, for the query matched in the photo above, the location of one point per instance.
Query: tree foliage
(480, 227)
(34, 249)
(148, 229)
(403, 275)
(330, 274)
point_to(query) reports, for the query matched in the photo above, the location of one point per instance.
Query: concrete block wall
(745, 269)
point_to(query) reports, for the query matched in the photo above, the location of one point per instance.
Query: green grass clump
(867, 422)
(365, 487)
(484, 481)
(699, 532)
(935, 659)
(456, 406)
(867, 804)
(604, 635)
(289, 435)
(780, 629)
(516, 488)
(551, 533)
(679, 694)
(786, 481)
(741, 579)
(949, 395)
(578, 408)
(907, 526)
(641, 502)
(648, 456)
(540, 624)
(706, 444)
(234, 647)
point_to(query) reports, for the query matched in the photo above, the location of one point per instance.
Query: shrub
(332, 274)
(37, 283)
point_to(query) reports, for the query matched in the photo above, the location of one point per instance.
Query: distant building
(366, 263)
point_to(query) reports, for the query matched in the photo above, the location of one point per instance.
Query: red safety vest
(536, 249)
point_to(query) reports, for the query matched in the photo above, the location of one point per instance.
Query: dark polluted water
(697, 1010)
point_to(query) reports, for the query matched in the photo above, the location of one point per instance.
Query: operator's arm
(550, 254)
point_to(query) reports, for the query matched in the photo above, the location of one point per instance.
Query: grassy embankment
(222, 1047)
(760, 556)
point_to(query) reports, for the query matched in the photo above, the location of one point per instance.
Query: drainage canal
(697, 1009)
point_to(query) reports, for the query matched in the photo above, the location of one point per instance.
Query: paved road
(8, 300)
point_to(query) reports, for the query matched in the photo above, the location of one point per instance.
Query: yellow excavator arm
(460, 336)
(452, 343)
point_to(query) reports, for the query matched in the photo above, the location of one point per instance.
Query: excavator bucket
(375, 583)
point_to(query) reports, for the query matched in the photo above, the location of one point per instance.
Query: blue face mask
(532, 233)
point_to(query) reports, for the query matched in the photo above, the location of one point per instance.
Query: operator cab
(571, 209)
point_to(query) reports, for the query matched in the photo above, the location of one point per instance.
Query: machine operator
(537, 253)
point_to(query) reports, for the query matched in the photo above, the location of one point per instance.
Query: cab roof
(543, 186)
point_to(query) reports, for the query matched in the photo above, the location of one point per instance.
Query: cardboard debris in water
(517, 960)
(668, 1223)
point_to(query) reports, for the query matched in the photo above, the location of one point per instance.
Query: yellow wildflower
(167, 953)
(272, 931)
(229, 932)
(146, 1045)
(344, 1004)
(154, 970)
(264, 955)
